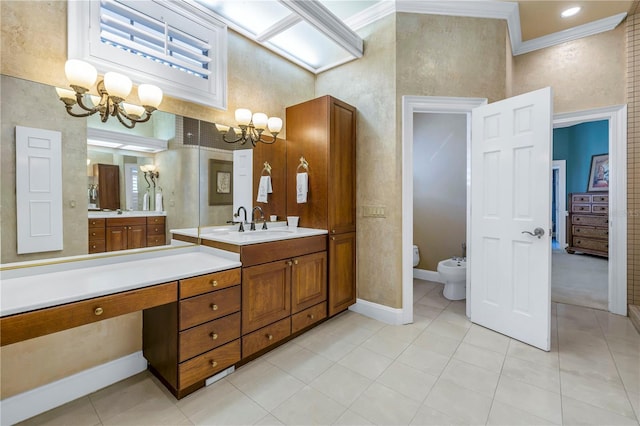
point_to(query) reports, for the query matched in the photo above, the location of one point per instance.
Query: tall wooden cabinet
(323, 131)
(108, 177)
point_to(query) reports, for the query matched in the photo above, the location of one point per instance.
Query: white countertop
(124, 213)
(81, 280)
(277, 231)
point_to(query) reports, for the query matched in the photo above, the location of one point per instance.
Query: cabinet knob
(333, 231)
(311, 316)
(270, 336)
(214, 307)
(214, 336)
(93, 246)
(98, 311)
(333, 238)
(93, 233)
(295, 262)
(214, 363)
(289, 263)
(214, 283)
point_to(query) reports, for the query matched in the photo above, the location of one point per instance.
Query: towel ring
(304, 164)
(267, 168)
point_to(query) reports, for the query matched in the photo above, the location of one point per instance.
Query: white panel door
(510, 269)
(38, 190)
(242, 179)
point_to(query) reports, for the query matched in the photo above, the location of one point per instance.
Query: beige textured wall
(584, 74)
(439, 187)
(33, 44)
(369, 85)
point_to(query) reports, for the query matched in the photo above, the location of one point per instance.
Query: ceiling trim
(585, 30)
(370, 15)
(327, 23)
(280, 26)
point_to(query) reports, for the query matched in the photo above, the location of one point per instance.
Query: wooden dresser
(588, 224)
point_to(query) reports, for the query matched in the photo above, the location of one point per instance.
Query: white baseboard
(378, 312)
(423, 274)
(33, 402)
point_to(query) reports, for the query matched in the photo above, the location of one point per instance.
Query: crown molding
(589, 29)
(371, 14)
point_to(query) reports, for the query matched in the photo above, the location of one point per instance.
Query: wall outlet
(374, 211)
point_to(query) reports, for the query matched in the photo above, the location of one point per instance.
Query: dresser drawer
(581, 208)
(591, 244)
(96, 223)
(265, 337)
(590, 232)
(590, 220)
(155, 229)
(206, 365)
(208, 336)
(581, 198)
(600, 199)
(309, 316)
(156, 240)
(126, 221)
(210, 282)
(96, 233)
(600, 208)
(155, 220)
(97, 246)
(209, 306)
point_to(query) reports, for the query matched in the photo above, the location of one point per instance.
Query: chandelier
(251, 127)
(112, 91)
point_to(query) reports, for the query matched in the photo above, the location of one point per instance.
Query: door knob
(538, 232)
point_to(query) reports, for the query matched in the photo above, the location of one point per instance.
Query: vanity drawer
(591, 244)
(28, 325)
(256, 254)
(265, 337)
(126, 221)
(581, 208)
(155, 220)
(590, 220)
(97, 246)
(581, 198)
(208, 364)
(156, 240)
(96, 233)
(96, 223)
(200, 309)
(155, 229)
(590, 232)
(210, 282)
(208, 336)
(309, 316)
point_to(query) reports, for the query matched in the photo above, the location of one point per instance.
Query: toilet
(416, 256)
(453, 272)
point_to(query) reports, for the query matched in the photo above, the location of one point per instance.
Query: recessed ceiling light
(570, 12)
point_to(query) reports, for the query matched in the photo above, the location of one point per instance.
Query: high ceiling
(305, 34)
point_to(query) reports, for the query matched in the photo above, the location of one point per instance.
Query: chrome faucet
(464, 254)
(237, 214)
(253, 223)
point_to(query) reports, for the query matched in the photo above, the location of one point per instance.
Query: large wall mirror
(183, 152)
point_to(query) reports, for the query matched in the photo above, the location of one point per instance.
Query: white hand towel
(145, 201)
(159, 202)
(302, 185)
(264, 188)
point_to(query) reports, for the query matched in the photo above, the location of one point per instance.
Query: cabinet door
(116, 237)
(136, 236)
(342, 168)
(266, 294)
(308, 281)
(342, 272)
(108, 186)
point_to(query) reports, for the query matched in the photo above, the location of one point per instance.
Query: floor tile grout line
(493, 398)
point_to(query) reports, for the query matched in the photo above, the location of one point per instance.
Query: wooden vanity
(126, 232)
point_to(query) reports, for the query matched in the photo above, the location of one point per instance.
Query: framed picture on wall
(599, 173)
(220, 182)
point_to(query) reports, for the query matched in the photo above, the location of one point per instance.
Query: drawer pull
(295, 262)
(214, 336)
(289, 263)
(310, 316)
(333, 238)
(214, 307)
(93, 246)
(93, 233)
(98, 311)
(214, 363)
(270, 336)
(214, 283)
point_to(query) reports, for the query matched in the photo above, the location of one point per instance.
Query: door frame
(561, 201)
(617, 116)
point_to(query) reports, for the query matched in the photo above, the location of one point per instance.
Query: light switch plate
(374, 211)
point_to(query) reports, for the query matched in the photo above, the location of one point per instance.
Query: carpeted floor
(579, 279)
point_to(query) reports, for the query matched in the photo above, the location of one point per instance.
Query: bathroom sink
(259, 236)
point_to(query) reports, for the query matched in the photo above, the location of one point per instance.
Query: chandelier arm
(242, 137)
(80, 115)
(80, 102)
(117, 113)
(145, 178)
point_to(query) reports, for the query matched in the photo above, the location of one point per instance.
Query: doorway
(617, 195)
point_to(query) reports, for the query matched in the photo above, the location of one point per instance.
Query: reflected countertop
(276, 231)
(124, 213)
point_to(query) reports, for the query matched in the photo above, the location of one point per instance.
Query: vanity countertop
(73, 281)
(276, 232)
(124, 213)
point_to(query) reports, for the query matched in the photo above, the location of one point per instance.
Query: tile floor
(440, 370)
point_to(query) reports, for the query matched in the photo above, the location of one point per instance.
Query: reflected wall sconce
(251, 127)
(112, 90)
(150, 170)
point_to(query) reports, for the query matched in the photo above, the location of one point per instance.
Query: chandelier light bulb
(260, 120)
(243, 116)
(80, 74)
(274, 124)
(117, 85)
(132, 110)
(149, 95)
(66, 94)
